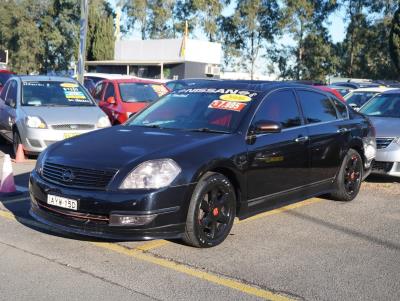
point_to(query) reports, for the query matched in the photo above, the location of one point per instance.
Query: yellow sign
(235, 97)
(69, 85)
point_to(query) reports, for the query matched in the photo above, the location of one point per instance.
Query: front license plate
(70, 135)
(62, 202)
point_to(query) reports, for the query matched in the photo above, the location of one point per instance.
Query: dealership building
(162, 59)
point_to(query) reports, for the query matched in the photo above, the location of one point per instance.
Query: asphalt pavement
(317, 249)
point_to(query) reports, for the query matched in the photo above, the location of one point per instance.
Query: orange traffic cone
(7, 185)
(20, 155)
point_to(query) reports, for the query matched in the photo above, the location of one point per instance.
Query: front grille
(77, 177)
(383, 142)
(72, 127)
(384, 166)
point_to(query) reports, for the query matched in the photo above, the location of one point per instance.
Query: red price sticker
(227, 105)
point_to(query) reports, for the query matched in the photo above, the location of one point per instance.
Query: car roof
(6, 71)
(134, 80)
(110, 76)
(393, 91)
(373, 89)
(251, 85)
(46, 78)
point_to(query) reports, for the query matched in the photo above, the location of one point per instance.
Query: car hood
(386, 126)
(120, 146)
(65, 115)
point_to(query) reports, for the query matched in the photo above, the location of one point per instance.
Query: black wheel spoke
(222, 200)
(205, 206)
(213, 229)
(223, 218)
(214, 195)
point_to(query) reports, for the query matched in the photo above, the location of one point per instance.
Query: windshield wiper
(208, 130)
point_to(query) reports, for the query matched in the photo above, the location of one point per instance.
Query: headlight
(152, 174)
(35, 122)
(103, 122)
(369, 149)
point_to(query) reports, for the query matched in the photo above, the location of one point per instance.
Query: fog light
(131, 220)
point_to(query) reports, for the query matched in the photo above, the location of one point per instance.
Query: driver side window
(11, 98)
(110, 91)
(4, 91)
(280, 106)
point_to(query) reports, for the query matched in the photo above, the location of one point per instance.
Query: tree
(100, 36)
(161, 12)
(254, 23)
(302, 18)
(137, 11)
(394, 40)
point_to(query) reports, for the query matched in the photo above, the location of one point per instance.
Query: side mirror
(12, 103)
(111, 100)
(267, 126)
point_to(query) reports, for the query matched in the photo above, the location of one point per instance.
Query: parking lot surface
(317, 249)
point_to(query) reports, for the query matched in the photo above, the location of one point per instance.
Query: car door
(10, 108)
(325, 131)
(3, 118)
(278, 162)
(107, 107)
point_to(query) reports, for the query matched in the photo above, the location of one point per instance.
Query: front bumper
(170, 206)
(387, 161)
(37, 140)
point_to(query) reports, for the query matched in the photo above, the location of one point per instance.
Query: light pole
(82, 41)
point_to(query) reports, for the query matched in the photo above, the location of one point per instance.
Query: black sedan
(187, 165)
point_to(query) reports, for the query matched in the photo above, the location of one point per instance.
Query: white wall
(167, 50)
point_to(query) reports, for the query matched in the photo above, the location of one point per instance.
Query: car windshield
(57, 94)
(204, 110)
(386, 105)
(359, 98)
(141, 92)
(4, 77)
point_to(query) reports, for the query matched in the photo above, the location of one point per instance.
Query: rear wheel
(211, 212)
(348, 180)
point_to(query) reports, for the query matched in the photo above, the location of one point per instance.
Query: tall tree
(300, 19)
(207, 14)
(100, 36)
(137, 12)
(255, 23)
(394, 40)
(160, 23)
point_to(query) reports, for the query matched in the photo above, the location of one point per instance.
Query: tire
(16, 142)
(348, 181)
(211, 211)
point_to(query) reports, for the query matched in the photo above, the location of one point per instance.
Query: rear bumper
(95, 208)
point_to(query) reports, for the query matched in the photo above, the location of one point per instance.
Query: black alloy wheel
(348, 180)
(211, 212)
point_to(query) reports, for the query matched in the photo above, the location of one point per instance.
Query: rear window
(316, 107)
(357, 99)
(56, 94)
(140, 92)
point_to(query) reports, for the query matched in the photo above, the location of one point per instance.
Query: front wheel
(348, 180)
(211, 211)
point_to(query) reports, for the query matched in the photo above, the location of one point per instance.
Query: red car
(120, 98)
(4, 76)
(331, 91)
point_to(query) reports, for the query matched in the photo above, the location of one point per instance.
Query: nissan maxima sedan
(384, 113)
(37, 111)
(190, 163)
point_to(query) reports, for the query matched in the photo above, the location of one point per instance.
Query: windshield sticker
(74, 94)
(227, 105)
(180, 95)
(160, 90)
(34, 84)
(69, 85)
(235, 97)
(218, 91)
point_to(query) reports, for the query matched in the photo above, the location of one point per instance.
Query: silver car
(36, 111)
(384, 112)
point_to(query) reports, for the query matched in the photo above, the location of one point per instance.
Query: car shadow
(376, 178)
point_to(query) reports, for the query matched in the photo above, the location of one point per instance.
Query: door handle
(301, 139)
(342, 130)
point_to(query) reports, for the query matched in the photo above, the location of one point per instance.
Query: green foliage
(394, 41)
(100, 37)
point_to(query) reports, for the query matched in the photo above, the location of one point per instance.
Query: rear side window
(316, 107)
(4, 91)
(341, 108)
(280, 106)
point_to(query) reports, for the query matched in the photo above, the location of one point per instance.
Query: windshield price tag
(227, 105)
